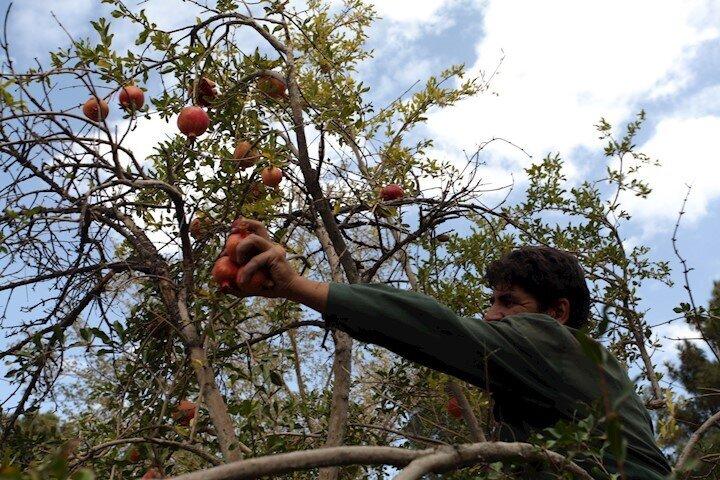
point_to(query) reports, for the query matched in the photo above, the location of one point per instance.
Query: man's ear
(560, 311)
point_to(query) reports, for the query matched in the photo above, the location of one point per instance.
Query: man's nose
(494, 313)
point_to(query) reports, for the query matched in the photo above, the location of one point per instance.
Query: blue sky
(565, 65)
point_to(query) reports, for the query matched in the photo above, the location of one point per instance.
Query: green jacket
(534, 366)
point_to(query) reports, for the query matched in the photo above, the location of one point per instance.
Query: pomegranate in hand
(224, 272)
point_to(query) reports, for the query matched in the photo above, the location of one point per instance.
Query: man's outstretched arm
(410, 324)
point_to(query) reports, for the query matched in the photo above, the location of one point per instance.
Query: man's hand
(257, 251)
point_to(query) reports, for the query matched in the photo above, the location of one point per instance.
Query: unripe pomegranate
(272, 87)
(185, 412)
(245, 155)
(205, 92)
(391, 192)
(271, 176)
(152, 473)
(96, 109)
(453, 408)
(131, 98)
(193, 121)
(224, 272)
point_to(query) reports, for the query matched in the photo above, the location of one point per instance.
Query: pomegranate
(185, 412)
(256, 192)
(453, 408)
(233, 241)
(96, 109)
(224, 272)
(193, 121)
(245, 155)
(272, 87)
(131, 98)
(199, 225)
(152, 473)
(257, 281)
(134, 455)
(271, 176)
(391, 192)
(205, 92)
(239, 226)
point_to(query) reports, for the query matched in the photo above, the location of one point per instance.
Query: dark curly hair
(548, 275)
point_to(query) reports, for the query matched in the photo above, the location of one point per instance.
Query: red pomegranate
(152, 473)
(193, 121)
(134, 455)
(185, 412)
(224, 272)
(272, 87)
(391, 192)
(196, 228)
(233, 241)
(245, 155)
(205, 92)
(257, 281)
(131, 98)
(271, 176)
(239, 226)
(96, 109)
(453, 408)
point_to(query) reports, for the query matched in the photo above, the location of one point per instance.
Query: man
(525, 352)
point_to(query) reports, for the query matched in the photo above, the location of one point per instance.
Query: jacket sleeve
(420, 329)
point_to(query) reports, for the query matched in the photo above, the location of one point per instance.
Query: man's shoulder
(538, 329)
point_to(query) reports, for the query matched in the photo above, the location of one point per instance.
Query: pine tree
(699, 374)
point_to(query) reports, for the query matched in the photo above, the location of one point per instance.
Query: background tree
(699, 374)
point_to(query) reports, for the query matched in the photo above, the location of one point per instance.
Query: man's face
(510, 301)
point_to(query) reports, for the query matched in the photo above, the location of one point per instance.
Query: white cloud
(146, 135)
(569, 63)
(688, 150)
(411, 11)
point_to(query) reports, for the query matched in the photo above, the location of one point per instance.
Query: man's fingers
(257, 262)
(254, 226)
(250, 246)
